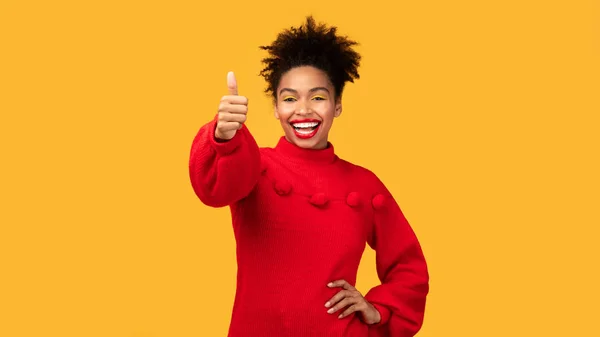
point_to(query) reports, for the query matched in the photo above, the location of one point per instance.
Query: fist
(232, 111)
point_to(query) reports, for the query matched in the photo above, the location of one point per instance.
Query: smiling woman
(306, 71)
(306, 105)
(302, 216)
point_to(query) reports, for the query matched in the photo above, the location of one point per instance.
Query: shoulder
(267, 153)
(364, 177)
(266, 156)
(266, 150)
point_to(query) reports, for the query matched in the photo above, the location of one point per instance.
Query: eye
(289, 99)
(319, 98)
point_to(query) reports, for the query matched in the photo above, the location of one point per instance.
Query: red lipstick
(305, 128)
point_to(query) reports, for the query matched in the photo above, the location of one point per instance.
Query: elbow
(208, 197)
(219, 196)
(212, 201)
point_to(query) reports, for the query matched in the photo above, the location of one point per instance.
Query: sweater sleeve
(401, 268)
(223, 172)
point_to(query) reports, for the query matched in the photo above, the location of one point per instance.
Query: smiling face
(306, 106)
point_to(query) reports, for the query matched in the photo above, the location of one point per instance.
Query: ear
(338, 107)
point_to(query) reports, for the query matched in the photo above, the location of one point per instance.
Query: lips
(305, 128)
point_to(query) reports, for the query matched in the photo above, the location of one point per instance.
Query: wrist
(383, 313)
(377, 317)
(217, 135)
(221, 145)
(219, 138)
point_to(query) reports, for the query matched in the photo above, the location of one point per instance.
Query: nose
(303, 109)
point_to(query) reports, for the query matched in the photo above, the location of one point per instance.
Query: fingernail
(327, 304)
(330, 284)
(330, 311)
(340, 316)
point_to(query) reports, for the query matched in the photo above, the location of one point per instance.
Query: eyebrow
(311, 90)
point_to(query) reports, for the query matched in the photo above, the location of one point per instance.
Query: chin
(303, 143)
(309, 143)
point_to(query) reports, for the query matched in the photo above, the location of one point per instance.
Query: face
(306, 106)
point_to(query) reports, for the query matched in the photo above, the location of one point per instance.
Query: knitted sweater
(301, 219)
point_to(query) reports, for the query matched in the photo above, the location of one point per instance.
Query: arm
(401, 268)
(223, 171)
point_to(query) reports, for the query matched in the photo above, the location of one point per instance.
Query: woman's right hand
(232, 111)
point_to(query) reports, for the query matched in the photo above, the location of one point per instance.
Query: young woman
(301, 215)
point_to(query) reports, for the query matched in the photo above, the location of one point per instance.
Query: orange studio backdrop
(480, 117)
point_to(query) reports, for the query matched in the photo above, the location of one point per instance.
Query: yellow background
(480, 116)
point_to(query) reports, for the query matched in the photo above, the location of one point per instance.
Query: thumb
(232, 84)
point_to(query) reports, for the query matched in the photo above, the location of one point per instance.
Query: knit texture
(301, 219)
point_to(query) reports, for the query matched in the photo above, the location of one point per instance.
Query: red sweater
(302, 218)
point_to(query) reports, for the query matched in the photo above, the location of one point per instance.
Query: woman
(301, 215)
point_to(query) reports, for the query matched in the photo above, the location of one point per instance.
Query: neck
(323, 154)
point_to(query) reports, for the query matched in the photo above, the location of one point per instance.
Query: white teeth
(304, 132)
(305, 125)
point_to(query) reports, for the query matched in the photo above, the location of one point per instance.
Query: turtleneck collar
(292, 151)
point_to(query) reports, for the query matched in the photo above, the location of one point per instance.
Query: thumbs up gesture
(232, 111)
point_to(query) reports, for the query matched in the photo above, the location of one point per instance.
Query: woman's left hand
(351, 298)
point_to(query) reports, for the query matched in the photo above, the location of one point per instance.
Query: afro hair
(314, 45)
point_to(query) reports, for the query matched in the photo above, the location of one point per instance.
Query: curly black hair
(314, 45)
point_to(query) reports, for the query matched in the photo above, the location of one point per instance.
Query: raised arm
(402, 270)
(224, 163)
